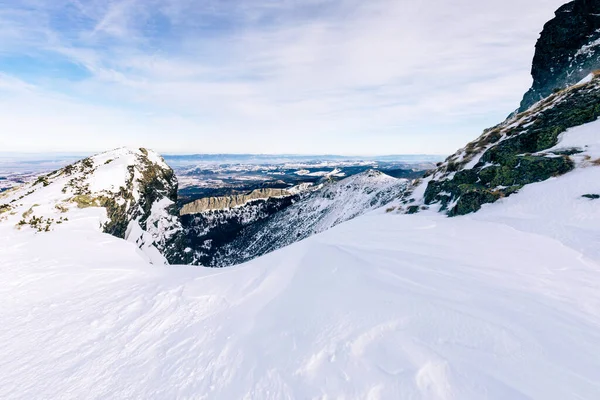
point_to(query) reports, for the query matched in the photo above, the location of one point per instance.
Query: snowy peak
(568, 49)
(352, 195)
(372, 177)
(130, 194)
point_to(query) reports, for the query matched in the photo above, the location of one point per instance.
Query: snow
(587, 79)
(385, 306)
(304, 187)
(145, 243)
(588, 49)
(555, 209)
(110, 176)
(503, 304)
(585, 137)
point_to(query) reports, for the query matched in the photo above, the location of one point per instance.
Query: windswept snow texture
(385, 306)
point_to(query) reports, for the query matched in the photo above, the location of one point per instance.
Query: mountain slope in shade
(503, 304)
(128, 193)
(320, 210)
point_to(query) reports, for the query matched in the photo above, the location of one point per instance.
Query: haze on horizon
(264, 76)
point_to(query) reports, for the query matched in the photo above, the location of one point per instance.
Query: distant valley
(203, 176)
(208, 175)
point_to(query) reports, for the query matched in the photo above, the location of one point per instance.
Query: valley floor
(382, 307)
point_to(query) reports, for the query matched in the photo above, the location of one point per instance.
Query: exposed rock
(591, 196)
(521, 150)
(515, 153)
(567, 50)
(226, 202)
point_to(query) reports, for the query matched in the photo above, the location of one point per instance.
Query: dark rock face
(567, 50)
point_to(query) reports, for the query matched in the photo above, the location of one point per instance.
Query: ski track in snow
(385, 306)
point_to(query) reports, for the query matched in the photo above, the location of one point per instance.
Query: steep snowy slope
(128, 193)
(333, 204)
(386, 306)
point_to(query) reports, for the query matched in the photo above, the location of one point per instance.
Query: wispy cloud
(383, 76)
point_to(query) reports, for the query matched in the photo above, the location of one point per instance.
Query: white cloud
(384, 76)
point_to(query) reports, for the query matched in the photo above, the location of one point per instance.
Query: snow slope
(385, 306)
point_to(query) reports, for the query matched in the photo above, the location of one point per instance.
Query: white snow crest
(64, 197)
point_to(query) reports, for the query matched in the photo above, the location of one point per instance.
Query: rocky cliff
(567, 50)
(211, 230)
(227, 202)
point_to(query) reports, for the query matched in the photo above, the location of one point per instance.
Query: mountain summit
(129, 193)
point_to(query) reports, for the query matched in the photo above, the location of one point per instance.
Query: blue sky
(260, 76)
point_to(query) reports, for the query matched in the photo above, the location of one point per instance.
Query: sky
(262, 76)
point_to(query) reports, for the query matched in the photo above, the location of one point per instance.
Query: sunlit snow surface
(382, 307)
(502, 304)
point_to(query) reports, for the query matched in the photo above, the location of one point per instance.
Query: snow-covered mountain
(128, 193)
(210, 230)
(502, 303)
(322, 209)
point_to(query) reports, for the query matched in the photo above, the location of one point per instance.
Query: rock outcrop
(567, 50)
(227, 202)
